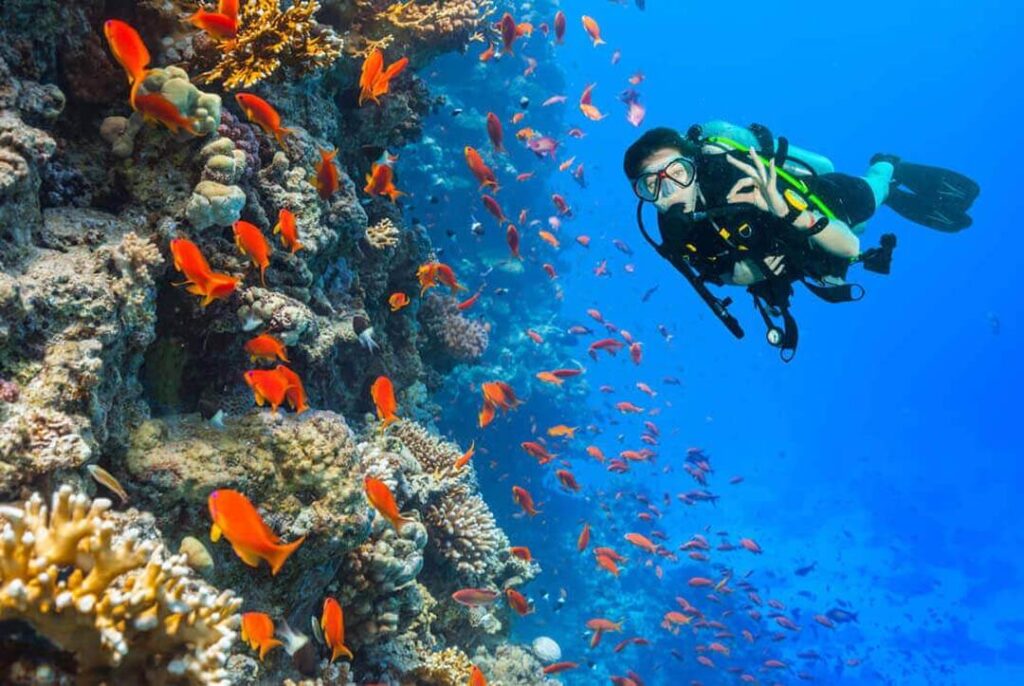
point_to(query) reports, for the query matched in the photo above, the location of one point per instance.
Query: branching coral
(269, 39)
(440, 18)
(383, 234)
(129, 613)
(462, 338)
(437, 457)
(462, 527)
(448, 667)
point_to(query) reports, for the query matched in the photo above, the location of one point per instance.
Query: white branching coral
(436, 456)
(127, 611)
(462, 527)
(383, 234)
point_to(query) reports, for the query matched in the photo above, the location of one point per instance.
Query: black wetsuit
(755, 234)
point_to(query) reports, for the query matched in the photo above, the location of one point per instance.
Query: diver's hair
(652, 141)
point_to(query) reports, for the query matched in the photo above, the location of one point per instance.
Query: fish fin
(281, 133)
(215, 533)
(248, 556)
(280, 553)
(194, 288)
(341, 650)
(267, 645)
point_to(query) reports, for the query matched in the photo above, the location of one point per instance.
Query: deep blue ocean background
(888, 453)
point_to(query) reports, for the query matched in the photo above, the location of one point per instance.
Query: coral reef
(452, 333)
(383, 234)
(271, 39)
(80, 576)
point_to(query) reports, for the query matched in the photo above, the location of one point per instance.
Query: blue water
(888, 452)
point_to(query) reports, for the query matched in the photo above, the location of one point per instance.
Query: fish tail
(598, 41)
(341, 650)
(296, 247)
(263, 280)
(267, 645)
(280, 133)
(280, 553)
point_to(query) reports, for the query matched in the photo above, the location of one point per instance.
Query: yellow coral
(269, 39)
(127, 612)
(383, 234)
(449, 667)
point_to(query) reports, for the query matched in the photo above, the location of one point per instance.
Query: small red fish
(266, 347)
(129, 51)
(156, 108)
(383, 394)
(483, 174)
(593, 30)
(332, 624)
(261, 113)
(523, 498)
(374, 79)
(258, 632)
(494, 208)
(383, 500)
(251, 539)
(474, 597)
(326, 178)
(220, 27)
(494, 132)
(517, 601)
(381, 181)
(559, 27)
(289, 232)
(250, 242)
(512, 237)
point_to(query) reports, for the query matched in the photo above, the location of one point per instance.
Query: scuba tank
(799, 161)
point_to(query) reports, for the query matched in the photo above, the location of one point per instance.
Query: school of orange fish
(236, 519)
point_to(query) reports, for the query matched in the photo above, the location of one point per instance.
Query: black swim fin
(931, 196)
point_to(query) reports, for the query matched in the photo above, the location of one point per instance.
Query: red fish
(464, 459)
(433, 273)
(593, 30)
(295, 393)
(517, 602)
(251, 539)
(559, 27)
(584, 538)
(268, 386)
(494, 132)
(561, 205)
(568, 481)
(474, 597)
(522, 552)
(326, 178)
(332, 624)
(557, 667)
(523, 498)
(250, 242)
(289, 232)
(375, 80)
(483, 174)
(494, 208)
(512, 237)
(220, 27)
(129, 51)
(261, 113)
(470, 301)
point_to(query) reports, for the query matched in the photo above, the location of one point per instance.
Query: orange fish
(642, 542)
(375, 80)
(518, 117)
(486, 415)
(602, 624)
(189, 260)
(593, 30)
(522, 552)
(397, 301)
(289, 233)
(476, 677)
(261, 113)
(266, 347)
(608, 564)
(156, 108)
(524, 500)
(548, 377)
(500, 394)
(587, 106)
(332, 623)
(250, 242)
(383, 394)
(326, 178)
(251, 539)
(566, 478)
(258, 632)
(433, 273)
(510, 31)
(517, 601)
(218, 286)
(220, 27)
(267, 385)
(562, 430)
(129, 51)
(484, 174)
(295, 393)
(487, 54)
(549, 238)
(584, 539)
(381, 181)
(465, 457)
(470, 301)
(383, 500)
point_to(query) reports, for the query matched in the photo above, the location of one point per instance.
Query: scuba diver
(738, 206)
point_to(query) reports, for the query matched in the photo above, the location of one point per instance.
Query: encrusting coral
(269, 39)
(458, 336)
(128, 612)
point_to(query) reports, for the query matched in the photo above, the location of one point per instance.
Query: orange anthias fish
(464, 459)
(268, 386)
(524, 500)
(383, 394)
(261, 113)
(500, 394)
(587, 105)
(251, 539)
(433, 273)
(199, 278)
(326, 178)
(266, 347)
(397, 301)
(593, 30)
(381, 181)
(156, 108)
(294, 393)
(258, 632)
(484, 174)
(517, 601)
(510, 31)
(562, 430)
(522, 552)
(289, 232)
(375, 80)
(129, 51)
(332, 623)
(476, 677)
(383, 500)
(250, 242)
(220, 27)
(512, 238)
(584, 539)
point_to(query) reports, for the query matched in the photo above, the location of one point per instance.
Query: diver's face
(672, 192)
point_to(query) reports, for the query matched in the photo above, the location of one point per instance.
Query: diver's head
(661, 167)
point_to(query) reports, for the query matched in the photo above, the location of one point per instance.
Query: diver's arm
(836, 238)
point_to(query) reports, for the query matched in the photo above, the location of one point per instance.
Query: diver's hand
(760, 188)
